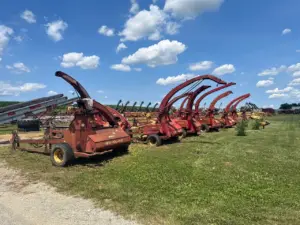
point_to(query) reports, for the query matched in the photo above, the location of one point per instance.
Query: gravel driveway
(35, 204)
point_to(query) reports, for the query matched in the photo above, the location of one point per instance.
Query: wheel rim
(58, 156)
(152, 141)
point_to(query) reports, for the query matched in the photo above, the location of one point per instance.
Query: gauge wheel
(61, 155)
(154, 140)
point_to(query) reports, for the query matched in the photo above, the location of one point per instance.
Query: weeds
(241, 128)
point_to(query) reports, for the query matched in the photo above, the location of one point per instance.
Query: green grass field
(218, 178)
(7, 129)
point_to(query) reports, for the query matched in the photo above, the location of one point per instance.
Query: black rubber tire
(154, 140)
(67, 155)
(205, 128)
(183, 135)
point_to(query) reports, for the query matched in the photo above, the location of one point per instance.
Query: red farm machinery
(93, 131)
(207, 119)
(230, 116)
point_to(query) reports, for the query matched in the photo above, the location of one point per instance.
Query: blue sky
(253, 43)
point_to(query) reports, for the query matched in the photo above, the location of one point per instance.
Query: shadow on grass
(99, 160)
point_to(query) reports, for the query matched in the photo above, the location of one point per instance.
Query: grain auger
(93, 131)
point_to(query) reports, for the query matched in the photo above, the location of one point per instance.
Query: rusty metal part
(93, 130)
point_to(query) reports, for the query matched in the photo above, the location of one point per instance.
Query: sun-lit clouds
(295, 82)
(269, 106)
(278, 95)
(7, 89)
(204, 65)
(28, 16)
(120, 47)
(121, 67)
(172, 28)
(73, 59)
(56, 29)
(137, 69)
(18, 68)
(50, 93)
(224, 69)
(134, 7)
(174, 79)
(5, 36)
(163, 53)
(106, 31)
(145, 24)
(265, 83)
(279, 91)
(190, 9)
(273, 71)
(286, 31)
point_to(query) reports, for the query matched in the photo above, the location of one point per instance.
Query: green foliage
(241, 128)
(288, 106)
(7, 103)
(255, 125)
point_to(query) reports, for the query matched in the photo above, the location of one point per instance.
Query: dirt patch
(28, 204)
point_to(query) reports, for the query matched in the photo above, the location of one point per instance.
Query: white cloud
(28, 16)
(138, 69)
(8, 89)
(204, 65)
(295, 94)
(224, 69)
(55, 29)
(120, 47)
(163, 53)
(144, 24)
(121, 67)
(298, 50)
(296, 74)
(286, 31)
(52, 93)
(295, 82)
(174, 79)
(18, 68)
(278, 95)
(278, 91)
(268, 106)
(172, 28)
(5, 35)
(18, 39)
(78, 59)
(294, 67)
(190, 9)
(106, 31)
(273, 71)
(264, 83)
(100, 91)
(134, 7)
(0, 59)
(105, 97)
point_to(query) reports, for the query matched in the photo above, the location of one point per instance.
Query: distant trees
(6, 103)
(288, 106)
